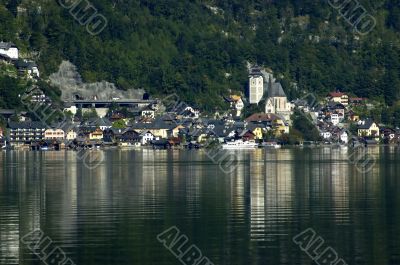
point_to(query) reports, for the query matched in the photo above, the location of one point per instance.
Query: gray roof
(368, 123)
(7, 45)
(275, 90)
(157, 124)
(256, 71)
(26, 125)
(25, 64)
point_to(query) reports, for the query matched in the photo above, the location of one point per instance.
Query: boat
(130, 145)
(240, 144)
(273, 145)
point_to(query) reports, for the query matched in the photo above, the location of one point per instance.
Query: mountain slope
(199, 49)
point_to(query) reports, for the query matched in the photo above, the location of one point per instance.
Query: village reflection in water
(111, 214)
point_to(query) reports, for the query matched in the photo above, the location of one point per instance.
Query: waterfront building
(54, 134)
(25, 132)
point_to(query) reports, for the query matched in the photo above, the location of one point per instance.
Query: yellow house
(280, 127)
(96, 135)
(258, 133)
(368, 128)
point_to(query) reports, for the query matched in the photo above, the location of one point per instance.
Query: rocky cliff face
(70, 82)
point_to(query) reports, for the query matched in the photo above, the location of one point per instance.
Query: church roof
(276, 90)
(255, 71)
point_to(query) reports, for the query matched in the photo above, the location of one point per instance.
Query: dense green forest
(199, 49)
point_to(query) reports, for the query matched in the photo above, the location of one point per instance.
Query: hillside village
(160, 123)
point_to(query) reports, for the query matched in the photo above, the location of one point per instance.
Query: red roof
(336, 94)
(262, 117)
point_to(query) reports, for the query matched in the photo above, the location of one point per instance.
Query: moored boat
(240, 144)
(273, 145)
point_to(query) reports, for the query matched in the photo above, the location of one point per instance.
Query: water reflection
(111, 214)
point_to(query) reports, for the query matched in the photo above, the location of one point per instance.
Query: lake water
(113, 213)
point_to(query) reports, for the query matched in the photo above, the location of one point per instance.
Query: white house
(71, 134)
(146, 137)
(256, 85)
(8, 49)
(29, 68)
(326, 135)
(54, 134)
(236, 103)
(344, 137)
(335, 119)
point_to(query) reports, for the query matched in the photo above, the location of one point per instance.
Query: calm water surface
(113, 213)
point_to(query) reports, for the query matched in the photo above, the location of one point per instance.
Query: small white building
(71, 135)
(335, 119)
(8, 49)
(54, 134)
(344, 137)
(326, 135)
(146, 137)
(148, 113)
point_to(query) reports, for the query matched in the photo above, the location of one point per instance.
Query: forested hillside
(199, 49)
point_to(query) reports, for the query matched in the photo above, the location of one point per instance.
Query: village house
(334, 119)
(269, 120)
(352, 116)
(54, 134)
(148, 112)
(344, 137)
(368, 128)
(334, 107)
(301, 104)
(37, 96)
(25, 132)
(258, 131)
(96, 135)
(357, 101)
(146, 137)
(388, 135)
(236, 104)
(9, 50)
(159, 128)
(326, 135)
(71, 134)
(28, 68)
(339, 97)
(129, 136)
(103, 124)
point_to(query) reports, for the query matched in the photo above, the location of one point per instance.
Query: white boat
(130, 145)
(240, 144)
(271, 145)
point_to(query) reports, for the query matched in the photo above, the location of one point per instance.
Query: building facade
(25, 132)
(9, 50)
(277, 102)
(256, 86)
(54, 134)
